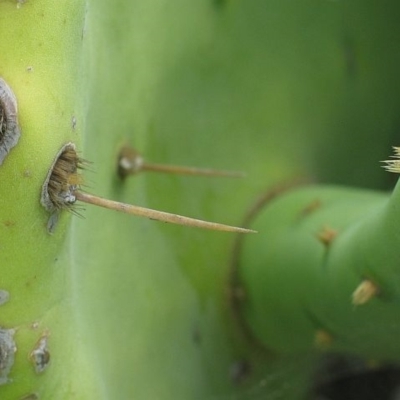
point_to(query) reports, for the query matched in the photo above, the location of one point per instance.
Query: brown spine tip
(327, 235)
(323, 339)
(364, 292)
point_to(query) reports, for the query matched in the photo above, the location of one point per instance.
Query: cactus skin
(156, 75)
(41, 49)
(303, 293)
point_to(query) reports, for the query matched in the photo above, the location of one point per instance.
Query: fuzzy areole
(9, 128)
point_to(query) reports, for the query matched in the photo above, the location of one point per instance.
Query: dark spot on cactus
(220, 3)
(323, 339)
(7, 350)
(9, 224)
(196, 336)
(350, 57)
(239, 371)
(9, 128)
(349, 378)
(327, 235)
(31, 396)
(4, 296)
(40, 355)
(239, 293)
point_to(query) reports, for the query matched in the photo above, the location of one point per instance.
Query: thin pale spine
(156, 215)
(131, 162)
(393, 165)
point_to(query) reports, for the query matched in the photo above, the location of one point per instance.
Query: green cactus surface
(109, 306)
(318, 245)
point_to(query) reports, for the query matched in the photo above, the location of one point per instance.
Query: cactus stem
(9, 128)
(323, 339)
(364, 292)
(327, 235)
(131, 162)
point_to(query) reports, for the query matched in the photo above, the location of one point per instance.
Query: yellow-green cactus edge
(40, 48)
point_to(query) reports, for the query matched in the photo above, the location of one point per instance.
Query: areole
(9, 127)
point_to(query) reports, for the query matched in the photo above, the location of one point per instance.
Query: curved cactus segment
(305, 283)
(41, 51)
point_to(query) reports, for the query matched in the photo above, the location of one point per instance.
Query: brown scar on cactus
(326, 235)
(40, 355)
(365, 291)
(131, 162)
(62, 189)
(7, 351)
(9, 127)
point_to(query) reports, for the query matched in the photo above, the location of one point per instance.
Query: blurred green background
(279, 89)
